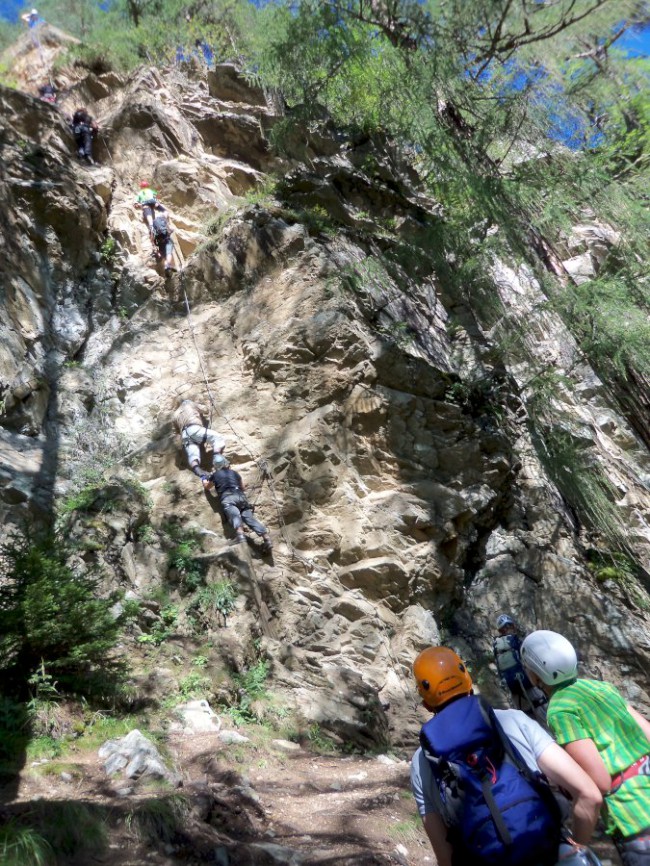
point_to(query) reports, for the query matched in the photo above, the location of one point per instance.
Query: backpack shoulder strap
(436, 796)
(537, 780)
(508, 746)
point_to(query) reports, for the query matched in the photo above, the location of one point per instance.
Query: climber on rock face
(32, 20)
(84, 129)
(47, 93)
(147, 199)
(506, 649)
(189, 422)
(161, 234)
(238, 510)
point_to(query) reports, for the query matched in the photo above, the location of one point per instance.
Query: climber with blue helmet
(605, 735)
(506, 649)
(236, 508)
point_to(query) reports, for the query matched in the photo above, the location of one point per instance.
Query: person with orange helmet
(459, 720)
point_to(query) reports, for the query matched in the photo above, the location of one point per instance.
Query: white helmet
(220, 461)
(503, 620)
(550, 656)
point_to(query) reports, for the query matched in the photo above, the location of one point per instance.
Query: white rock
(197, 717)
(232, 738)
(384, 759)
(286, 745)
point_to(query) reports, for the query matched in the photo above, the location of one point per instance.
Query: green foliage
(52, 620)
(82, 499)
(163, 628)
(159, 820)
(407, 831)
(181, 558)
(21, 845)
(146, 534)
(14, 734)
(92, 492)
(583, 484)
(44, 747)
(212, 602)
(131, 609)
(611, 315)
(624, 571)
(72, 829)
(477, 104)
(251, 686)
(194, 686)
(108, 250)
(53, 832)
(320, 741)
(263, 193)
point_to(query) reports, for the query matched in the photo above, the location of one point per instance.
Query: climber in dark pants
(230, 489)
(84, 129)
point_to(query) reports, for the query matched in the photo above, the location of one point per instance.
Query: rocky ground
(265, 801)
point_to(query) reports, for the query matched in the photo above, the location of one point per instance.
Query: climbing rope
(262, 466)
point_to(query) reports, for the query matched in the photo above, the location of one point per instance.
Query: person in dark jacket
(523, 694)
(84, 129)
(47, 93)
(230, 490)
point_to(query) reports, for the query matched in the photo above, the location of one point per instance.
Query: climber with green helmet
(147, 199)
(237, 509)
(605, 735)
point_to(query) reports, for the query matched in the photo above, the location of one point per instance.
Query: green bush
(22, 845)
(182, 559)
(251, 687)
(212, 601)
(51, 620)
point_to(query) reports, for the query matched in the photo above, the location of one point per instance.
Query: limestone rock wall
(403, 511)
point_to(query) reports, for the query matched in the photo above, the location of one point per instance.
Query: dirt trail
(255, 802)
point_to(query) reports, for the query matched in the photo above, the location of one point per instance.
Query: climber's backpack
(499, 812)
(160, 228)
(508, 660)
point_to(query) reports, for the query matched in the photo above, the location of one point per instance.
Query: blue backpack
(499, 812)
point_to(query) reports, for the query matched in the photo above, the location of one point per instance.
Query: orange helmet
(440, 675)
(144, 184)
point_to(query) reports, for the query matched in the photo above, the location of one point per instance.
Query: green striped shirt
(588, 709)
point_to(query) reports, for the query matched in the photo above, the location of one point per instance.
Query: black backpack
(160, 228)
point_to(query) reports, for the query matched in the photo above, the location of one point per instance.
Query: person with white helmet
(33, 20)
(457, 733)
(507, 656)
(605, 735)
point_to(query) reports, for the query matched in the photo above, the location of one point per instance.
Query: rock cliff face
(406, 496)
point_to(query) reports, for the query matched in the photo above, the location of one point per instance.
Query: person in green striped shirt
(601, 732)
